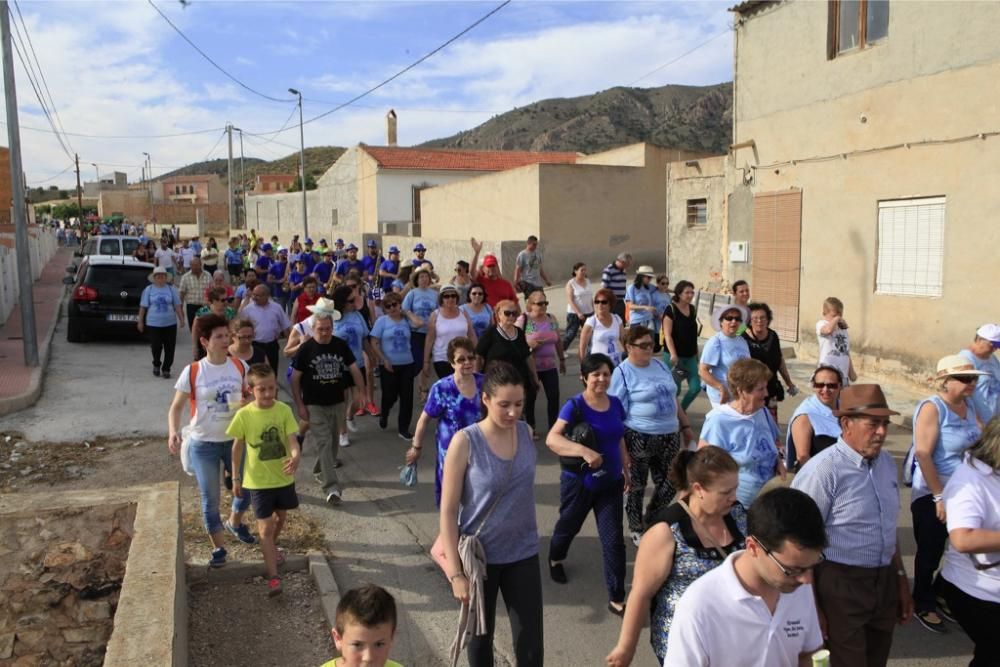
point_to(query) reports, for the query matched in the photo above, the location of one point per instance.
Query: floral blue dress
(453, 412)
(691, 560)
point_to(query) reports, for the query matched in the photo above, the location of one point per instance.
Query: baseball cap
(393, 250)
(371, 243)
(266, 247)
(990, 332)
(309, 241)
(339, 242)
(418, 247)
(490, 260)
(350, 247)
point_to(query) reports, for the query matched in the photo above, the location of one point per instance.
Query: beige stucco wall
(933, 78)
(696, 253)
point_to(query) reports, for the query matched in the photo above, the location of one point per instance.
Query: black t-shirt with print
(325, 371)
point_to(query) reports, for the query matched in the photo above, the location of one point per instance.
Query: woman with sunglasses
(766, 347)
(944, 427)
(603, 331)
(542, 333)
(446, 323)
(579, 302)
(680, 335)
(722, 350)
(505, 342)
(813, 427)
(654, 424)
(390, 341)
(680, 545)
(970, 578)
(478, 310)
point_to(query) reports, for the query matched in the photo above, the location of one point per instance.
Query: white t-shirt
(972, 500)
(218, 391)
(186, 255)
(606, 340)
(583, 296)
(719, 623)
(834, 349)
(164, 257)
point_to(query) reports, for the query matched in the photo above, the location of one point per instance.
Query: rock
(30, 640)
(15, 457)
(65, 554)
(21, 445)
(93, 610)
(86, 444)
(98, 449)
(87, 634)
(5, 466)
(73, 471)
(26, 471)
(6, 645)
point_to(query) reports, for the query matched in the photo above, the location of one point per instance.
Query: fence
(42, 245)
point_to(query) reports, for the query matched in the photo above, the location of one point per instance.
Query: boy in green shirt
(265, 429)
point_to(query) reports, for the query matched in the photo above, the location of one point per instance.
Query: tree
(43, 209)
(296, 185)
(53, 188)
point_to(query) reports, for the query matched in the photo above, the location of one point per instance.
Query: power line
(272, 135)
(214, 64)
(120, 136)
(52, 178)
(680, 57)
(219, 141)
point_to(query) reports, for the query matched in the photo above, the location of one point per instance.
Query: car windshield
(122, 277)
(129, 245)
(110, 247)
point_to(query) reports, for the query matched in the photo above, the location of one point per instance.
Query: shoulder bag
(580, 432)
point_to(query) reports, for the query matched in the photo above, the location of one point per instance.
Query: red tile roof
(391, 157)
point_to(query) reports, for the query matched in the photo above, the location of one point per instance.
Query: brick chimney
(390, 127)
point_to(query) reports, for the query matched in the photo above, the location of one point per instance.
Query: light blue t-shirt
(660, 300)
(719, 354)
(750, 440)
(394, 339)
(352, 329)
(159, 303)
(987, 395)
(421, 301)
(480, 321)
(649, 395)
(640, 296)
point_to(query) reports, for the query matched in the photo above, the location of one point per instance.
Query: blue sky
(117, 68)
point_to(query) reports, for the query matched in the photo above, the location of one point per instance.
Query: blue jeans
(205, 458)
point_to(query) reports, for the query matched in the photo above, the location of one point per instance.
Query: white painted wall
(395, 190)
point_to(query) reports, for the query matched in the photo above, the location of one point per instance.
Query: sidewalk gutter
(329, 592)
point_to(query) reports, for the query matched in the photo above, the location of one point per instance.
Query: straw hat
(646, 270)
(325, 306)
(955, 365)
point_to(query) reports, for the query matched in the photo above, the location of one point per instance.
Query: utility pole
(229, 186)
(243, 184)
(25, 290)
(302, 166)
(149, 184)
(79, 190)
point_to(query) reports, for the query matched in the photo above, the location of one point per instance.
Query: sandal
(616, 611)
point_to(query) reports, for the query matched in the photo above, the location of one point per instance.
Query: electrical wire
(52, 178)
(284, 126)
(120, 136)
(681, 56)
(40, 98)
(212, 150)
(213, 63)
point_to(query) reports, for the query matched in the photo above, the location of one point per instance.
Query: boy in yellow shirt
(265, 430)
(364, 628)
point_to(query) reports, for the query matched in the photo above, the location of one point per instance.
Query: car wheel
(74, 332)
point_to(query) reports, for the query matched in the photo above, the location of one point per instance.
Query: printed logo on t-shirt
(270, 447)
(327, 368)
(399, 341)
(840, 346)
(161, 304)
(793, 628)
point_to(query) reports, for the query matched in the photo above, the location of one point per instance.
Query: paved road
(382, 531)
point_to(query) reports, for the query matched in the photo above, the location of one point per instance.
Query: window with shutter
(911, 247)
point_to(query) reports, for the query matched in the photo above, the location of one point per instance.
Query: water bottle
(821, 658)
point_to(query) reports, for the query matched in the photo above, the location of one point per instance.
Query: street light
(94, 165)
(149, 182)
(302, 165)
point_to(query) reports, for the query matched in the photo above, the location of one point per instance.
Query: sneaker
(406, 436)
(165, 375)
(273, 587)
(931, 621)
(218, 557)
(156, 371)
(944, 611)
(360, 412)
(352, 426)
(344, 440)
(372, 410)
(240, 532)
(635, 538)
(333, 498)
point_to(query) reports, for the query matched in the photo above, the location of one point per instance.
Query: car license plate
(122, 317)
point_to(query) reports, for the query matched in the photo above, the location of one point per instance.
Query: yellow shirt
(265, 434)
(334, 663)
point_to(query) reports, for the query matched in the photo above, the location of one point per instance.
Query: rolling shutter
(776, 249)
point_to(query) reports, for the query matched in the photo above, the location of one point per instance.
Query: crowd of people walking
(473, 352)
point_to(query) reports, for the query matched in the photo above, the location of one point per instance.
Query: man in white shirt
(757, 608)
(165, 257)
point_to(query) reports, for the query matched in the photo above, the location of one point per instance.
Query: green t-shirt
(265, 434)
(334, 663)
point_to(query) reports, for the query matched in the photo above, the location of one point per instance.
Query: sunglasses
(826, 385)
(663, 283)
(539, 303)
(643, 346)
(510, 313)
(601, 302)
(387, 306)
(449, 296)
(477, 294)
(732, 318)
(965, 379)
(463, 360)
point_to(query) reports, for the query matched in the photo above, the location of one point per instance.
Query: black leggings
(398, 383)
(979, 619)
(930, 535)
(521, 585)
(550, 383)
(162, 340)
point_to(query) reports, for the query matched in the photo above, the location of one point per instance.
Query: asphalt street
(382, 531)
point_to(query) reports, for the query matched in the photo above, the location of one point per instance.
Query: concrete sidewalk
(20, 386)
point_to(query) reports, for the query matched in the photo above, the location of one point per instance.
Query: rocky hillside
(318, 160)
(693, 117)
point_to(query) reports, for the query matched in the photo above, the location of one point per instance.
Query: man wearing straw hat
(861, 589)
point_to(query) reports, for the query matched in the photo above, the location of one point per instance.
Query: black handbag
(581, 433)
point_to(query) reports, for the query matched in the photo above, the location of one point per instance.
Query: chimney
(390, 127)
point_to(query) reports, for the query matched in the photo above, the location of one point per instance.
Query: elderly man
(528, 270)
(613, 278)
(193, 287)
(269, 323)
(982, 355)
(861, 589)
(321, 369)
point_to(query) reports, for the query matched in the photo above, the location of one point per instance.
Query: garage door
(776, 248)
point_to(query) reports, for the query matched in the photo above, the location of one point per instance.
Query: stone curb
(329, 592)
(233, 571)
(28, 397)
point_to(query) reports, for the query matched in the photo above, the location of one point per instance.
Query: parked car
(105, 297)
(109, 246)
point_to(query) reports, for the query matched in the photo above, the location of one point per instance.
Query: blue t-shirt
(751, 440)
(609, 428)
(295, 283)
(352, 329)
(159, 303)
(394, 338)
(482, 320)
(344, 266)
(370, 264)
(277, 272)
(719, 354)
(660, 301)
(640, 296)
(234, 256)
(649, 395)
(421, 301)
(391, 267)
(310, 261)
(323, 271)
(263, 264)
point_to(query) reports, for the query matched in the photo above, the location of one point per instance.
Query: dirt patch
(238, 624)
(23, 462)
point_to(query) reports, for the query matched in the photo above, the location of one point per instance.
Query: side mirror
(68, 280)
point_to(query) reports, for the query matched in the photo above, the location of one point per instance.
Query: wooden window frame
(833, 29)
(694, 202)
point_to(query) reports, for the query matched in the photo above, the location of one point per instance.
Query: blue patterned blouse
(453, 412)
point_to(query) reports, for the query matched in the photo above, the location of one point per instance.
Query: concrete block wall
(42, 246)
